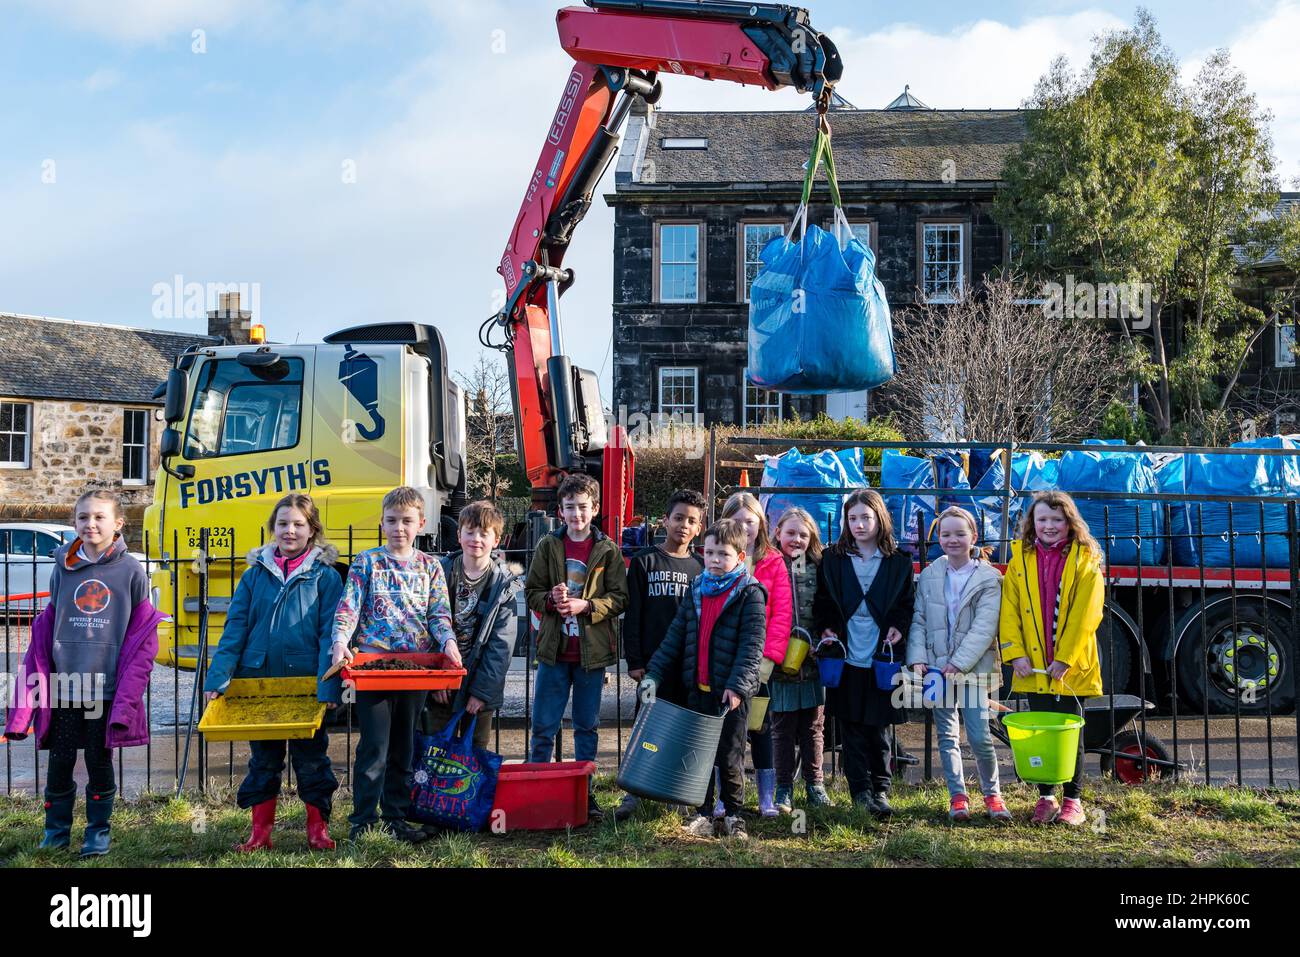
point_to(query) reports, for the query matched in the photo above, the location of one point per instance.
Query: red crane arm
(619, 46)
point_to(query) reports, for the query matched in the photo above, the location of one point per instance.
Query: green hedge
(660, 471)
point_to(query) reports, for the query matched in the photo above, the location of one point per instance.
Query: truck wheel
(1252, 662)
(1128, 770)
(1124, 643)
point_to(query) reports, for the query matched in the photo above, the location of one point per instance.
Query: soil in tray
(389, 664)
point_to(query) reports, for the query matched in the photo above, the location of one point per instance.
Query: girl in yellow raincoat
(1052, 599)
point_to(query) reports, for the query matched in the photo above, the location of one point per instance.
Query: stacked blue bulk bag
(1171, 480)
(907, 512)
(1030, 472)
(1256, 543)
(914, 515)
(1100, 471)
(825, 469)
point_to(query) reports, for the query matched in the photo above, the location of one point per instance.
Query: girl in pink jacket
(770, 569)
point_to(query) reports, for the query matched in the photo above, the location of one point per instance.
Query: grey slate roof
(1286, 202)
(870, 146)
(44, 358)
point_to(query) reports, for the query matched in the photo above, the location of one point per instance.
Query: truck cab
(344, 420)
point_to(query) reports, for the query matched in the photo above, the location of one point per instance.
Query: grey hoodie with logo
(93, 601)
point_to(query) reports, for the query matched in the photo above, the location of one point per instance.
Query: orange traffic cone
(744, 478)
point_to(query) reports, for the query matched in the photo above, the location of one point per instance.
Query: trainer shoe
(959, 807)
(785, 799)
(1072, 812)
(1046, 811)
(817, 796)
(996, 807)
(734, 825)
(699, 826)
(626, 807)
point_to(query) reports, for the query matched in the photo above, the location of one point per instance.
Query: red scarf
(1051, 569)
(710, 609)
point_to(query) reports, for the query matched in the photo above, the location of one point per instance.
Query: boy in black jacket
(714, 644)
(658, 578)
(482, 588)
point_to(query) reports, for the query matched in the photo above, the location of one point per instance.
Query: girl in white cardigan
(954, 627)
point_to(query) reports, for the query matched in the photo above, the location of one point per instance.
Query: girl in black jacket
(864, 597)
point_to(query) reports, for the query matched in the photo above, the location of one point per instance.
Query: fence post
(1294, 549)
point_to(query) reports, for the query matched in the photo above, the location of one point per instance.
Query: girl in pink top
(770, 569)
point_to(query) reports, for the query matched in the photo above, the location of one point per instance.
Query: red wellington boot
(318, 830)
(263, 819)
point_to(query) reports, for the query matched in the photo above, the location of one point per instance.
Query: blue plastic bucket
(886, 670)
(830, 670)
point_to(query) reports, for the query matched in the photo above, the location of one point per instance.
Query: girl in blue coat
(279, 626)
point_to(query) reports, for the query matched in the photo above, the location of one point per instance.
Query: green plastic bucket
(1045, 745)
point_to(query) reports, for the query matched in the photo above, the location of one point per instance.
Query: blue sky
(227, 165)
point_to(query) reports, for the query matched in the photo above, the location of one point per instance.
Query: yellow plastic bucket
(757, 711)
(795, 654)
(1045, 745)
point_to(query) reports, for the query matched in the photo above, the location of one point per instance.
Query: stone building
(697, 195)
(77, 407)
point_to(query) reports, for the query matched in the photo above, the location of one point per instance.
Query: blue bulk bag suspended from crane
(818, 316)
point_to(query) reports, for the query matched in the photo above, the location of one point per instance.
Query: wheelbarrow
(1120, 755)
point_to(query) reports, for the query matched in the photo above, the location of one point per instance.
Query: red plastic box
(542, 797)
(438, 673)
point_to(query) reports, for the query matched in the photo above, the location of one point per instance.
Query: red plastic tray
(542, 797)
(437, 675)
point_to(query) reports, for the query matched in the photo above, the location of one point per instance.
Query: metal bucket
(670, 754)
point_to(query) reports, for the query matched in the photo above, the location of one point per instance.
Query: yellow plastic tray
(264, 709)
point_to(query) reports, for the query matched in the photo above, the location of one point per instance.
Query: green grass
(1162, 825)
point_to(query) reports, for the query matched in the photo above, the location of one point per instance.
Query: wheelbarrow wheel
(1128, 770)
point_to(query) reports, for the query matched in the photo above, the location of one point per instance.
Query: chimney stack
(228, 321)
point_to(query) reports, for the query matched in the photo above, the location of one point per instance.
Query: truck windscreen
(238, 410)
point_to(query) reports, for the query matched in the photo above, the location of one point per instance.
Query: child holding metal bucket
(954, 632)
(797, 693)
(768, 566)
(864, 597)
(713, 646)
(1052, 601)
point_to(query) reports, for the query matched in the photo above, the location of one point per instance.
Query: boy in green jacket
(577, 588)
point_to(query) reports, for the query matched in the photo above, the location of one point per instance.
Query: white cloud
(1265, 51)
(148, 21)
(101, 80)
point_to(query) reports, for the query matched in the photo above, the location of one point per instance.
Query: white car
(26, 560)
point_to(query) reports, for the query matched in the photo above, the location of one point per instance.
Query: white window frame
(745, 405)
(963, 262)
(26, 462)
(660, 262)
(1038, 241)
(681, 408)
(742, 279)
(142, 446)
